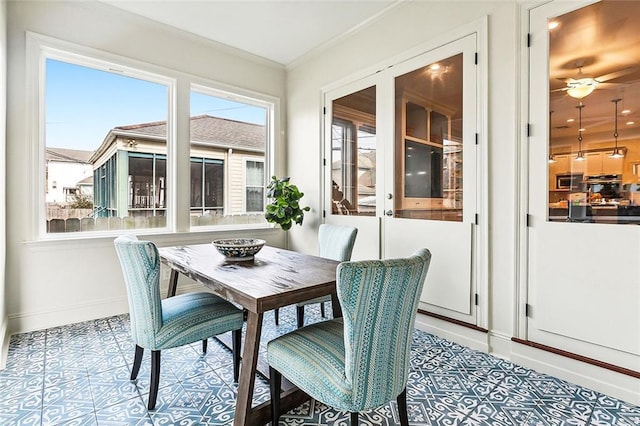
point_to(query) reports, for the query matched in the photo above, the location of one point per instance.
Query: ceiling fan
(583, 85)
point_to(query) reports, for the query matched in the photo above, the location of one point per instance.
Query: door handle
(389, 213)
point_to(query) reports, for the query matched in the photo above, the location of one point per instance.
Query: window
(593, 171)
(147, 177)
(254, 188)
(207, 186)
(107, 132)
(229, 133)
(430, 116)
(107, 138)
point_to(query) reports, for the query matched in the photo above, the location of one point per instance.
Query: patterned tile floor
(79, 375)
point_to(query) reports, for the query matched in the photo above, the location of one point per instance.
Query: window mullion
(179, 147)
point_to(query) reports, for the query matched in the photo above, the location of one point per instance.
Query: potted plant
(284, 209)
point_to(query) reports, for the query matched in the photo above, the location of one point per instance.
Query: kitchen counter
(597, 213)
(453, 215)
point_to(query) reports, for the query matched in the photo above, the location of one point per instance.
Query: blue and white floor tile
(79, 375)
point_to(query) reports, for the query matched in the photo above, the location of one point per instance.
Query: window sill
(162, 236)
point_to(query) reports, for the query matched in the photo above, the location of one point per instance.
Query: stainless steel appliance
(607, 186)
(603, 179)
(569, 181)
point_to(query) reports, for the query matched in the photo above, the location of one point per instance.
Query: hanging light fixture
(617, 152)
(581, 86)
(580, 156)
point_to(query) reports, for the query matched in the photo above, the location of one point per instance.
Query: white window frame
(179, 84)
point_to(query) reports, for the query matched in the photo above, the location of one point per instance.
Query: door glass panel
(429, 142)
(353, 154)
(594, 120)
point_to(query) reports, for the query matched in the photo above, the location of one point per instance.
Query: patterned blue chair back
(141, 268)
(336, 242)
(379, 300)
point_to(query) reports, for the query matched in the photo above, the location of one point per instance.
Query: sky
(83, 104)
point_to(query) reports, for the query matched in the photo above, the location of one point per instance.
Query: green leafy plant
(284, 209)
(81, 202)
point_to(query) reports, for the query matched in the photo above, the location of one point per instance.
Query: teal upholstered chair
(360, 361)
(162, 324)
(336, 242)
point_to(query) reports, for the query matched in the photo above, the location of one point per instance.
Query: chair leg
(322, 310)
(354, 419)
(204, 345)
(236, 342)
(275, 382)
(276, 314)
(300, 315)
(402, 408)
(155, 379)
(137, 359)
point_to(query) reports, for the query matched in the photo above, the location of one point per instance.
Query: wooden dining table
(273, 279)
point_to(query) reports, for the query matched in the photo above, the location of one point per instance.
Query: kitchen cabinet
(575, 166)
(599, 163)
(561, 166)
(431, 163)
(611, 166)
(565, 164)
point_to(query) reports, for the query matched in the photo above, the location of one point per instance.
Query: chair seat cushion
(312, 358)
(321, 299)
(190, 317)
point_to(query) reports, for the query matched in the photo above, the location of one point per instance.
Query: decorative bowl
(238, 248)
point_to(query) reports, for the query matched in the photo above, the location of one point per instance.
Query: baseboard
(608, 382)
(463, 335)
(500, 344)
(40, 320)
(621, 386)
(5, 338)
(70, 314)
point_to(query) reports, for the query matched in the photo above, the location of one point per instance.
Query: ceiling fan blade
(615, 74)
(609, 85)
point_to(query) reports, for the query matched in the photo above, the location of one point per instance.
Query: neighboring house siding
(236, 174)
(230, 141)
(66, 169)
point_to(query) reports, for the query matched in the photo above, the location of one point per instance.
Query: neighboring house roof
(209, 130)
(205, 130)
(64, 155)
(86, 181)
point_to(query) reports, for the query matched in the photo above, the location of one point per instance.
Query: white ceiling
(281, 31)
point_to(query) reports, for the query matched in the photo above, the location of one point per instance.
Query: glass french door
(432, 193)
(353, 154)
(401, 166)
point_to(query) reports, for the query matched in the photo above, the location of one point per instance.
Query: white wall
(420, 23)
(3, 111)
(59, 282)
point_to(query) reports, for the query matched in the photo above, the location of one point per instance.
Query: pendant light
(580, 156)
(617, 152)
